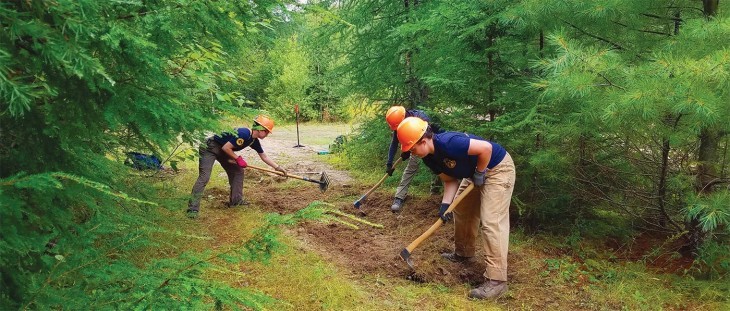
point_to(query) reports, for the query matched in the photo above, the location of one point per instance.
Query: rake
(324, 181)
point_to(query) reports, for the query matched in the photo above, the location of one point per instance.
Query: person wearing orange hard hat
(393, 117)
(454, 156)
(222, 148)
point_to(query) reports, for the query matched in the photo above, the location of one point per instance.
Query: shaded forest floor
(333, 266)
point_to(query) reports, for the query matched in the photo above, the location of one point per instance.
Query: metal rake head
(324, 182)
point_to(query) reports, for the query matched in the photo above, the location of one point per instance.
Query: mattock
(405, 254)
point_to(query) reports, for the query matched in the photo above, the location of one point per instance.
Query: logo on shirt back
(239, 141)
(449, 163)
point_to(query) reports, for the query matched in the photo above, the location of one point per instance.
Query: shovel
(362, 199)
(405, 254)
(324, 181)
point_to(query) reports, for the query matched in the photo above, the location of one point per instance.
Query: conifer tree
(81, 82)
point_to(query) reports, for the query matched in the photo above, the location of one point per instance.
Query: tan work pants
(487, 208)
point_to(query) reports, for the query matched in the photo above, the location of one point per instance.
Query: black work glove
(442, 212)
(389, 169)
(478, 177)
(405, 155)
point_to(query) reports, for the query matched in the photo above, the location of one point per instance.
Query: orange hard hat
(265, 122)
(395, 116)
(410, 132)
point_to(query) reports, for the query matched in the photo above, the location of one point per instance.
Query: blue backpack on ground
(143, 161)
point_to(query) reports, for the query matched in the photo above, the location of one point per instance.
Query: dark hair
(428, 134)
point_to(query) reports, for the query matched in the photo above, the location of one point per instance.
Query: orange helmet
(395, 116)
(265, 122)
(410, 132)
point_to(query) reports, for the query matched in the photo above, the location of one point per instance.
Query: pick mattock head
(406, 256)
(324, 182)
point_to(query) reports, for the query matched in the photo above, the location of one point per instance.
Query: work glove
(478, 177)
(281, 169)
(389, 169)
(241, 162)
(442, 212)
(405, 155)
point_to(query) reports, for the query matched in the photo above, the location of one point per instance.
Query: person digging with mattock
(453, 156)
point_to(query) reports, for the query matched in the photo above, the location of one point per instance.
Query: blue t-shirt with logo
(240, 138)
(451, 155)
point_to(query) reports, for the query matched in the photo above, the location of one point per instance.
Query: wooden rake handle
(439, 222)
(280, 173)
(380, 182)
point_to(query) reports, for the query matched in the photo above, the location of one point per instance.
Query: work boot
(489, 290)
(240, 203)
(453, 257)
(397, 205)
(192, 213)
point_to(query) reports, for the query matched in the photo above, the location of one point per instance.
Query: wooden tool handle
(439, 222)
(277, 172)
(380, 182)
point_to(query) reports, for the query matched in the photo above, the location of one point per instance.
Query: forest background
(616, 113)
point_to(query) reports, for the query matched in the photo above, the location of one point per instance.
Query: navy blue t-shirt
(451, 155)
(241, 139)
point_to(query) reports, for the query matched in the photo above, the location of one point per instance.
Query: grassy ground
(311, 274)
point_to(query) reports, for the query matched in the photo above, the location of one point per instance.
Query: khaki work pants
(487, 208)
(209, 153)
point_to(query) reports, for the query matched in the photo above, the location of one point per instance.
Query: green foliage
(68, 247)
(611, 106)
(82, 82)
(713, 211)
(714, 259)
(291, 79)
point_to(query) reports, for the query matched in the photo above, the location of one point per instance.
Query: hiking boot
(453, 257)
(397, 205)
(489, 290)
(240, 203)
(192, 213)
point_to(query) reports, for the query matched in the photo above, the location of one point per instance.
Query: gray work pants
(405, 181)
(209, 153)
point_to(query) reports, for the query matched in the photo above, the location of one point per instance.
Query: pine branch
(641, 30)
(615, 45)
(50, 277)
(676, 19)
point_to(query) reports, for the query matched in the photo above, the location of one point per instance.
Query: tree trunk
(710, 7)
(706, 174)
(490, 71)
(707, 156)
(416, 90)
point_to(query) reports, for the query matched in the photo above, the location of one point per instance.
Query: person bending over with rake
(222, 148)
(394, 117)
(454, 156)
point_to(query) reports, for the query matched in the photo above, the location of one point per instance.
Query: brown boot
(489, 290)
